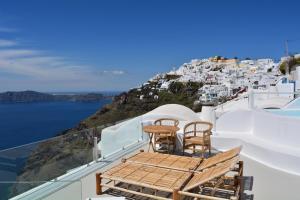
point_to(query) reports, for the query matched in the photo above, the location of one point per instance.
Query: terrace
(73, 171)
(69, 172)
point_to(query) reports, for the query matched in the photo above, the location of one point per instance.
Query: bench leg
(176, 195)
(98, 184)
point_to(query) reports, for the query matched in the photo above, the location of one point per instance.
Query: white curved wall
(264, 125)
(176, 111)
(261, 152)
(270, 139)
(278, 129)
(271, 184)
(238, 121)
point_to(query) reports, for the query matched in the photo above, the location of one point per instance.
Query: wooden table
(159, 129)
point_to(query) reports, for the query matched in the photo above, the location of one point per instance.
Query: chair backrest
(211, 173)
(197, 128)
(219, 158)
(167, 122)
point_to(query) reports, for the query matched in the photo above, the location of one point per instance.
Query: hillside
(292, 62)
(129, 104)
(199, 82)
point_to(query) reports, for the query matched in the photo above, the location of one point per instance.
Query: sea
(23, 123)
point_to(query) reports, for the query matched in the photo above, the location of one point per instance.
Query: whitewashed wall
(272, 127)
(239, 121)
(270, 139)
(278, 129)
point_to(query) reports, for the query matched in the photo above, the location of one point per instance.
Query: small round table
(159, 129)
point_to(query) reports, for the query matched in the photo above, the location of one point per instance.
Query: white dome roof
(175, 111)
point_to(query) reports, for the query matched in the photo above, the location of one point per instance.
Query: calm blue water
(294, 104)
(289, 113)
(291, 110)
(23, 123)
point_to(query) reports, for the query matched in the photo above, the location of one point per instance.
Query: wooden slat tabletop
(160, 129)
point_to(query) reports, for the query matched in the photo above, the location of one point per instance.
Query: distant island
(33, 96)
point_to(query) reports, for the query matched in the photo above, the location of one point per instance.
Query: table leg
(174, 141)
(151, 142)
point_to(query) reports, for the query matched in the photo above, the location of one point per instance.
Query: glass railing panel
(46, 190)
(46, 160)
(265, 99)
(295, 104)
(121, 136)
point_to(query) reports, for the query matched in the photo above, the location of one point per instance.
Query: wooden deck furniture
(197, 134)
(211, 173)
(219, 182)
(145, 177)
(218, 158)
(163, 176)
(161, 134)
(163, 139)
(182, 163)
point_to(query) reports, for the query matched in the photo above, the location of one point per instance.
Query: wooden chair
(197, 134)
(166, 139)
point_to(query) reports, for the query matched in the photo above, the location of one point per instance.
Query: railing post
(214, 120)
(95, 150)
(251, 100)
(142, 134)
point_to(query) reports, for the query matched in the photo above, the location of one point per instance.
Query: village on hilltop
(220, 77)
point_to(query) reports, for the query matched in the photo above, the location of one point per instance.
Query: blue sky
(61, 45)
